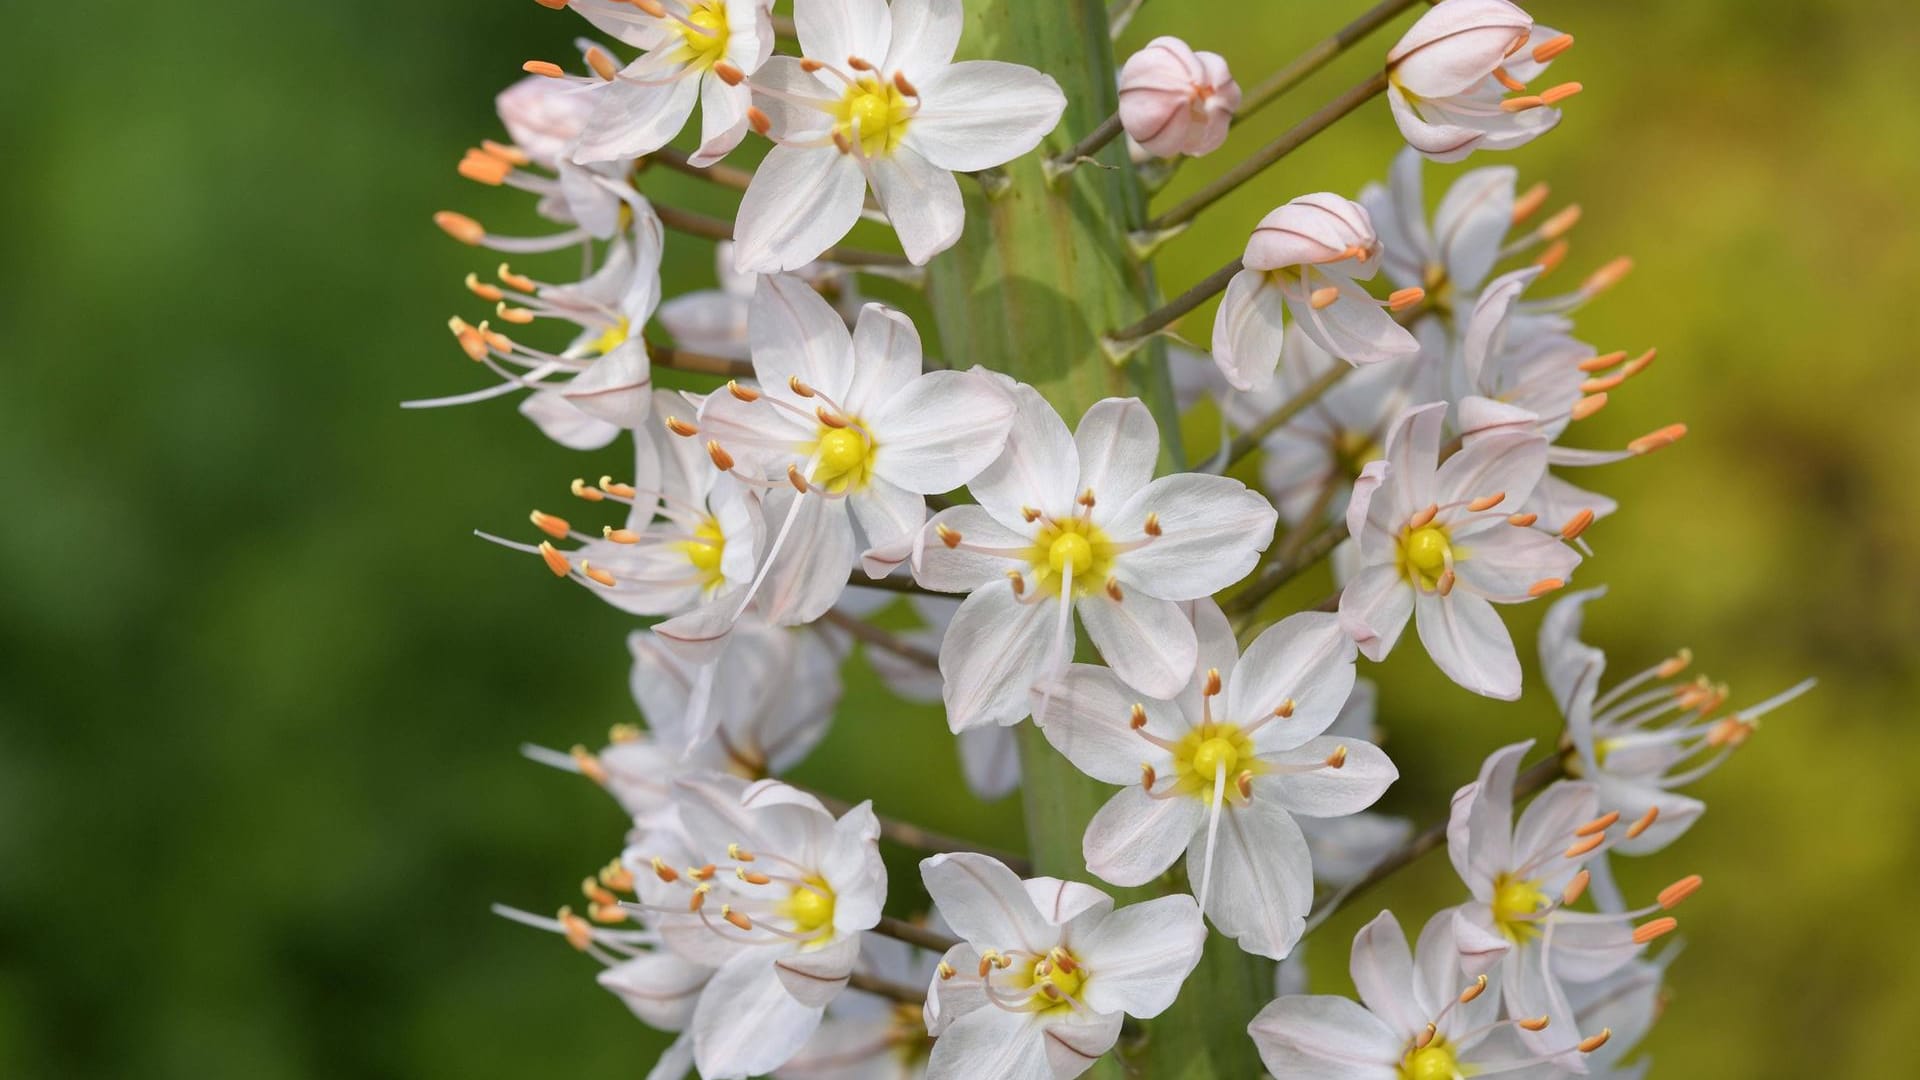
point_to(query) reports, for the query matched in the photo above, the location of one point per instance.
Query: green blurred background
(260, 692)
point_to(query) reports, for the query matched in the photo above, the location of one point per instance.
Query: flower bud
(1455, 45)
(543, 116)
(1316, 229)
(1175, 101)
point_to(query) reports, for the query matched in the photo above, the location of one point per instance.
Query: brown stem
(1281, 571)
(713, 228)
(1089, 146)
(914, 934)
(1295, 138)
(1537, 776)
(881, 639)
(919, 839)
(1163, 316)
(699, 363)
(886, 988)
(1249, 440)
(1319, 56)
(727, 176)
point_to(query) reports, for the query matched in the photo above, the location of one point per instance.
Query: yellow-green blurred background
(260, 692)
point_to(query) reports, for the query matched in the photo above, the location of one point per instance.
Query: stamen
(1479, 987)
(1486, 502)
(1666, 436)
(1587, 406)
(1598, 825)
(1402, 299)
(681, 427)
(1585, 846)
(1657, 928)
(544, 68)
(1529, 203)
(1544, 586)
(1537, 1023)
(1547, 50)
(1592, 1043)
(1114, 591)
(1523, 520)
(1671, 896)
(1337, 759)
(552, 526)
(460, 227)
(724, 461)
(1550, 259)
(1646, 822)
(1324, 298)
(602, 64)
(1576, 525)
(556, 562)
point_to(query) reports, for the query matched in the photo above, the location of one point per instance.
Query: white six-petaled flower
(1437, 542)
(1220, 771)
(875, 100)
(1076, 523)
(1046, 971)
(1304, 259)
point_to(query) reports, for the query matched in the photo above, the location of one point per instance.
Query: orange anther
(556, 562)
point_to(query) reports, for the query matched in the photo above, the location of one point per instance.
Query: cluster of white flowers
(831, 465)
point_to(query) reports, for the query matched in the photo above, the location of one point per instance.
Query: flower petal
(961, 569)
(1374, 609)
(942, 430)
(801, 202)
(985, 903)
(1088, 719)
(981, 113)
(746, 1023)
(1468, 642)
(1322, 1037)
(1118, 443)
(1147, 642)
(1382, 970)
(1305, 658)
(990, 1042)
(1134, 838)
(991, 654)
(1039, 467)
(922, 201)
(1143, 952)
(834, 31)
(1327, 793)
(1212, 531)
(1249, 331)
(1262, 876)
(925, 33)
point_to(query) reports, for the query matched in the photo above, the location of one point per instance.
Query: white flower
(1047, 970)
(601, 384)
(866, 1037)
(1522, 876)
(1176, 101)
(700, 49)
(776, 899)
(1448, 78)
(1221, 777)
(1647, 735)
(853, 421)
(1453, 256)
(1434, 542)
(1424, 1017)
(877, 101)
(1077, 523)
(543, 116)
(1304, 258)
(1308, 465)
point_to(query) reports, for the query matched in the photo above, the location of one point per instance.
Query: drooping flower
(776, 899)
(1304, 259)
(875, 100)
(1449, 76)
(1176, 101)
(693, 50)
(1523, 877)
(1520, 370)
(1451, 257)
(1046, 971)
(1308, 465)
(1421, 1016)
(1436, 542)
(843, 428)
(1220, 772)
(1646, 736)
(601, 384)
(1076, 523)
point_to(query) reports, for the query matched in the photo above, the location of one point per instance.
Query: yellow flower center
(1423, 555)
(615, 337)
(1206, 748)
(809, 907)
(846, 460)
(1071, 544)
(878, 110)
(705, 40)
(1513, 900)
(1434, 1061)
(705, 551)
(1053, 971)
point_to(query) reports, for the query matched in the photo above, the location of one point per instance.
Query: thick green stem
(1042, 272)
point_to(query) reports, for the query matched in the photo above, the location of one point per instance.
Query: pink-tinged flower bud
(543, 116)
(1176, 101)
(1456, 45)
(1315, 230)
